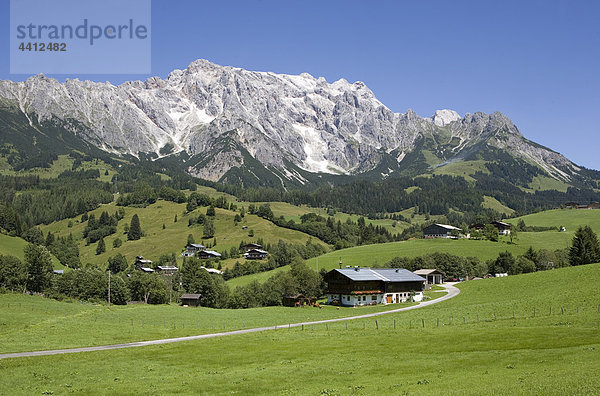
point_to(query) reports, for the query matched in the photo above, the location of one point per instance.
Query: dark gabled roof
(257, 251)
(196, 245)
(191, 296)
(254, 245)
(382, 274)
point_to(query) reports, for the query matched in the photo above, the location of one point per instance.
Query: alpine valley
(251, 129)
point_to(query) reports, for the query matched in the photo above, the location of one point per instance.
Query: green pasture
(173, 237)
(13, 246)
(528, 334)
(378, 254)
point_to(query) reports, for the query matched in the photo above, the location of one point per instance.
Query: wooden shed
(191, 300)
(297, 300)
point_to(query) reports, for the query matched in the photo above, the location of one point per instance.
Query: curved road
(452, 292)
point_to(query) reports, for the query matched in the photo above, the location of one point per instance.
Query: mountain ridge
(291, 124)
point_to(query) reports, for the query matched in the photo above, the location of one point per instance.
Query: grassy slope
(378, 254)
(369, 255)
(14, 246)
(493, 203)
(463, 169)
(63, 163)
(174, 237)
(478, 348)
(569, 218)
(293, 212)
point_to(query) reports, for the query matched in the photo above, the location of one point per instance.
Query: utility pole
(109, 288)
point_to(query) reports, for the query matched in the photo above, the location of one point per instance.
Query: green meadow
(369, 255)
(378, 254)
(527, 334)
(173, 237)
(13, 246)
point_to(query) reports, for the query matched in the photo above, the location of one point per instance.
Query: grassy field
(568, 218)
(36, 323)
(173, 238)
(499, 336)
(14, 246)
(370, 255)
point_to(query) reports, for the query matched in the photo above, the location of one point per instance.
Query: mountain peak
(444, 117)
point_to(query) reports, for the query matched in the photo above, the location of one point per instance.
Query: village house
(432, 276)
(192, 249)
(207, 254)
(369, 286)
(575, 205)
(503, 228)
(255, 254)
(141, 264)
(440, 231)
(166, 269)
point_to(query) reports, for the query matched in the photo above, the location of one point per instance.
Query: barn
(440, 231)
(370, 286)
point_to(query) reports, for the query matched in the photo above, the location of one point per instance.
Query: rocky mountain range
(228, 124)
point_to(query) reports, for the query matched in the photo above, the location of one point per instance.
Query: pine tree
(209, 228)
(190, 239)
(101, 248)
(585, 248)
(135, 230)
(39, 267)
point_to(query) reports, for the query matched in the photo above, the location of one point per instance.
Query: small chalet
(297, 300)
(142, 264)
(166, 269)
(191, 300)
(192, 249)
(432, 276)
(250, 246)
(207, 254)
(439, 231)
(503, 228)
(369, 286)
(255, 254)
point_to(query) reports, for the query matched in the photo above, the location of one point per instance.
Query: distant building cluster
(575, 205)
(449, 231)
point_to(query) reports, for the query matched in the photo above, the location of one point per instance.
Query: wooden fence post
(423, 322)
(377, 324)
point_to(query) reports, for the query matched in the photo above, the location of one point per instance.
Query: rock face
(222, 114)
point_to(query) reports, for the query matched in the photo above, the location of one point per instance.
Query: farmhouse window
(374, 298)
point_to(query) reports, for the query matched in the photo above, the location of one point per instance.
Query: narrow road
(452, 292)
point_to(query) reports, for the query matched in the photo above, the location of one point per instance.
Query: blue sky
(536, 61)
